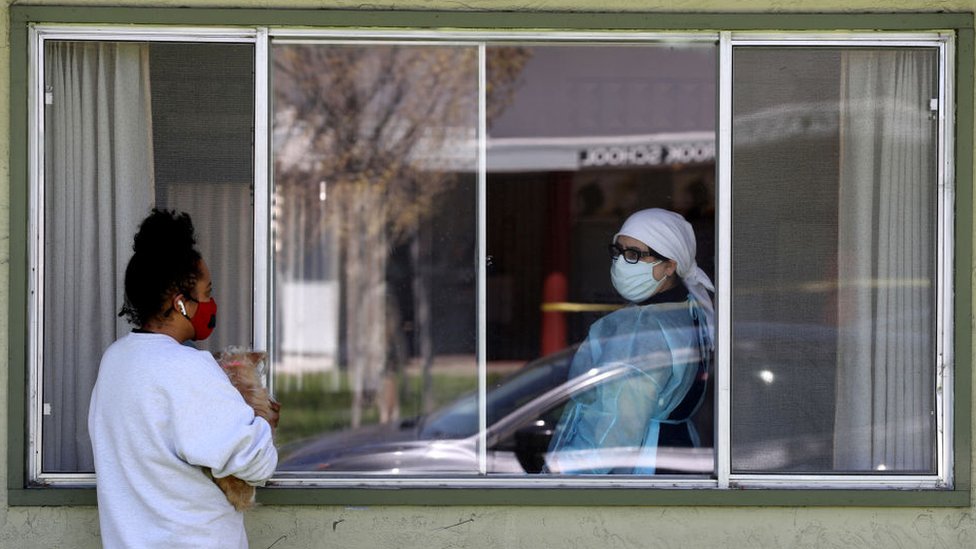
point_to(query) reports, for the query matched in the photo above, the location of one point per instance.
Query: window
(415, 226)
(376, 182)
(375, 280)
(129, 126)
(834, 303)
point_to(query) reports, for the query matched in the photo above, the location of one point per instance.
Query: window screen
(834, 260)
(131, 126)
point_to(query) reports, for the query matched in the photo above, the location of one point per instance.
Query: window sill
(550, 497)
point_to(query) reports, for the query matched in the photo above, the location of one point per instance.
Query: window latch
(934, 108)
(48, 95)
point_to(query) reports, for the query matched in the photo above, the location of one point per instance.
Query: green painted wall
(502, 526)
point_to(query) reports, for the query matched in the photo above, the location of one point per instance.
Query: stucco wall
(529, 527)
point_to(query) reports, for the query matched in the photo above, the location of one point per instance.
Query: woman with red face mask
(162, 411)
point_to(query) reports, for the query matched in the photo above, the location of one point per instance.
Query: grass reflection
(321, 402)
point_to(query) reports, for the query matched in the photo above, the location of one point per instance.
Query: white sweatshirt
(160, 412)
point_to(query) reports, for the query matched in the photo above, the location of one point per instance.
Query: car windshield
(460, 418)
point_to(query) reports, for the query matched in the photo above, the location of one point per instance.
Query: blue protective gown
(651, 354)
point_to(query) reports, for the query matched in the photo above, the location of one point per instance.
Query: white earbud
(182, 307)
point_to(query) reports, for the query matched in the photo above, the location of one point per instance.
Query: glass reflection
(374, 248)
(565, 169)
(591, 135)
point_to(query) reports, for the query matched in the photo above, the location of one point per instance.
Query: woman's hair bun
(165, 231)
(165, 262)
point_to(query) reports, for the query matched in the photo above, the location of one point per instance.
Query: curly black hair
(165, 262)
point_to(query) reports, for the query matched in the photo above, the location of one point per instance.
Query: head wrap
(668, 233)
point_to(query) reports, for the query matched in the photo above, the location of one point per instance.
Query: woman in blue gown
(651, 352)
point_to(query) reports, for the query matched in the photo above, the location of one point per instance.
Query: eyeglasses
(631, 255)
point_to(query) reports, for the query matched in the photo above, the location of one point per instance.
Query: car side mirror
(531, 446)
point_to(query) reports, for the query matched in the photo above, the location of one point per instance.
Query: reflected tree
(367, 138)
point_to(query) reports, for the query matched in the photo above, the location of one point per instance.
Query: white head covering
(668, 233)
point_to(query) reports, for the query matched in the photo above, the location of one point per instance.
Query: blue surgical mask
(634, 282)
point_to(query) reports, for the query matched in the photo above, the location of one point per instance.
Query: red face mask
(204, 320)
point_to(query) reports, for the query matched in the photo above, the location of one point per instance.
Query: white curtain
(98, 186)
(885, 405)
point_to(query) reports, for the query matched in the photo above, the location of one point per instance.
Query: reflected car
(522, 412)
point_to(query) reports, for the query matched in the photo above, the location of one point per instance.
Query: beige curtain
(885, 409)
(98, 186)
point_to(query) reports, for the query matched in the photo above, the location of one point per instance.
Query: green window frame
(959, 24)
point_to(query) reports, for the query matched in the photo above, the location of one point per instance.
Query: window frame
(944, 260)
(39, 35)
(729, 29)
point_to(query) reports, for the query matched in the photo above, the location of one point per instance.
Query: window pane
(173, 139)
(375, 279)
(579, 138)
(834, 260)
